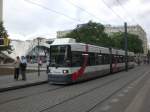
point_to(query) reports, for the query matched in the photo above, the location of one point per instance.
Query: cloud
(26, 19)
(114, 3)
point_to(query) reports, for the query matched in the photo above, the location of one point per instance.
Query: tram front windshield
(59, 56)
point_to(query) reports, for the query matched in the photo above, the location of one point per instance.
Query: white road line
(106, 108)
(130, 87)
(121, 95)
(138, 101)
(125, 91)
(114, 100)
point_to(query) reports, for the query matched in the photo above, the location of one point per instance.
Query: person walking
(40, 62)
(23, 66)
(17, 66)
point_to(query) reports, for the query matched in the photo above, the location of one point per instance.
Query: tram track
(93, 85)
(34, 94)
(118, 90)
(90, 90)
(49, 90)
(77, 96)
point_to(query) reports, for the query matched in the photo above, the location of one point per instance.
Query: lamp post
(38, 55)
(126, 46)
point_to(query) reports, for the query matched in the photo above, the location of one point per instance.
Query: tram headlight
(65, 71)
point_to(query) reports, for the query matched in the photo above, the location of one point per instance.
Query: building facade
(32, 49)
(134, 29)
(62, 33)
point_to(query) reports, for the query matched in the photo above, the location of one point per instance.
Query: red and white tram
(72, 62)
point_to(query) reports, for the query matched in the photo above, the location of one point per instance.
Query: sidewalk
(7, 82)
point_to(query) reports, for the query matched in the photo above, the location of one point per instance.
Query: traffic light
(4, 41)
(1, 41)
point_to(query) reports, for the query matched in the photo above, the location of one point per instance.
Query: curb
(21, 86)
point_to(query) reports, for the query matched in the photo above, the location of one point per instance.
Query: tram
(72, 62)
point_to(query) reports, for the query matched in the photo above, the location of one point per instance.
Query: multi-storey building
(62, 33)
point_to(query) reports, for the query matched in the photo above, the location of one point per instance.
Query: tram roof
(92, 48)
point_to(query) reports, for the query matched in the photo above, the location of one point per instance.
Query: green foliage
(3, 32)
(134, 43)
(93, 33)
(90, 33)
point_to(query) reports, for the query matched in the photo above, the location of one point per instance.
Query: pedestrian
(23, 66)
(40, 62)
(139, 62)
(17, 66)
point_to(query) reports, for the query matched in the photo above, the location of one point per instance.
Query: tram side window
(124, 59)
(105, 59)
(130, 58)
(120, 60)
(92, 60)
(114, 59)
(100, 59)
(97, 59)
(77, 59)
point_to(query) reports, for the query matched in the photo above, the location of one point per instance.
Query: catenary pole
(126, 46)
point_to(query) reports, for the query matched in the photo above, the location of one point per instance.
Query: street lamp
(38, 55)
(126, 47)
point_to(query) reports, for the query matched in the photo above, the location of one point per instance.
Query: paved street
(29, 67)
(7, 82)
(121, 92)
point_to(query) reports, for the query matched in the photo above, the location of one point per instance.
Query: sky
(27, 19)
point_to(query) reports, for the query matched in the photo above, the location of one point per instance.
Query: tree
(117, 40)
(90, 33)
(134, 43)
(93, 33)
(3, 32)
(4, 35)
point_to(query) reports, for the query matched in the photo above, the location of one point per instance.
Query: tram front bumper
(59, 79)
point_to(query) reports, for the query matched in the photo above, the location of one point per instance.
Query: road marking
(137, 103)
(121, 95)
(133, 84)
(114, 100)
(105, 108)
(130, 87)
(125, 91)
